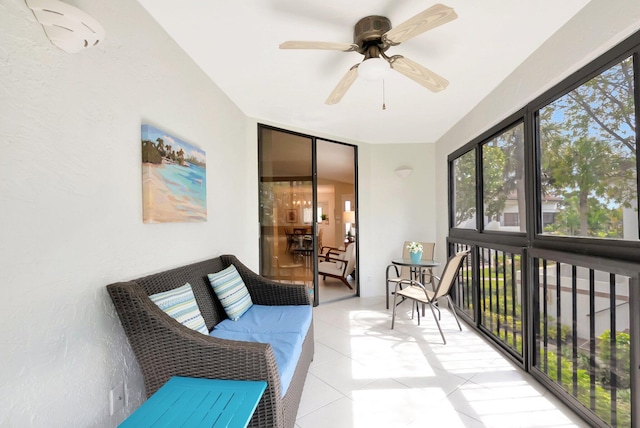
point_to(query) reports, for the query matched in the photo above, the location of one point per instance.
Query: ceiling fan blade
(343, 85)
(418, 73)
(345, 47)
(433, 17)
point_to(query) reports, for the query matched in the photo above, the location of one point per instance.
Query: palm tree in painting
(160, 146)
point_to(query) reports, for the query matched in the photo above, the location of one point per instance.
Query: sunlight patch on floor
(366, 375)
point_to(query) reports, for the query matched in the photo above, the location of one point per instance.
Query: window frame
(533, 237)
(480, 233)
(607, 254)
(451, 187)
(607, 247)
(481, 145)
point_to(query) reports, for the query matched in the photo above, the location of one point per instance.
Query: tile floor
(333, 289)
(366, 375)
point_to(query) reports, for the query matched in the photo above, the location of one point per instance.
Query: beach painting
(174, 184)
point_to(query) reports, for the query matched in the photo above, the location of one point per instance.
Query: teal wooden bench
(196, 402)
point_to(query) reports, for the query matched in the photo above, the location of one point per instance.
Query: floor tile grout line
(410, 336)
(342, 395)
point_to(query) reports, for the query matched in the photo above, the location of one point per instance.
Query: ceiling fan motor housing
(369, 30)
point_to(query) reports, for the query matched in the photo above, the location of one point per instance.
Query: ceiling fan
(372, 37)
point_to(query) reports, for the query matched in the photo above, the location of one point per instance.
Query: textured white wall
(600, 25)
(397, 209)
(70, 203)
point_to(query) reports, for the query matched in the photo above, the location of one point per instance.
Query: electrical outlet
(117, 398)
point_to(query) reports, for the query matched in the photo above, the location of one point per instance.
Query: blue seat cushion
(287, 348)
(271, 319)
(283, 327)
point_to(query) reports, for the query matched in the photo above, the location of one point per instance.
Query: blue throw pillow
(181, 305)
(231, 291)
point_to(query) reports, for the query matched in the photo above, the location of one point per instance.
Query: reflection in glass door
(286, 207)
(308, 222)
(336, 189)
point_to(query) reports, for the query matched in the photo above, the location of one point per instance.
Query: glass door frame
(314, 181)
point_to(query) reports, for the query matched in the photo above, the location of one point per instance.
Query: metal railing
(583, 331)
(488, 292)
(568, 319)
(501, 296)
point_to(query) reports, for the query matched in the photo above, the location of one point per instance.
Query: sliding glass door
(336, 190)
(286, 207)
(307, 210)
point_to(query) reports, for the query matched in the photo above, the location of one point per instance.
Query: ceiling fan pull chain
(384, 105)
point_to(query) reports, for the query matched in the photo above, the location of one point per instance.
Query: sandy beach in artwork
(161, 205)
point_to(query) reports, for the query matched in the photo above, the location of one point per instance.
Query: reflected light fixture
(349, 217)
(373, 69)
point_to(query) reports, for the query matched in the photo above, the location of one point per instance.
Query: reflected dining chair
(290, 239)
(417, 293)
(279, 268)
(395, 274)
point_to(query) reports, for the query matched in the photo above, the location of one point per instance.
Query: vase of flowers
(415, 251)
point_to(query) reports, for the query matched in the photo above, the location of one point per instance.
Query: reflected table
(306, 254)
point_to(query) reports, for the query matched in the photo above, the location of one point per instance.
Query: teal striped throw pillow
(231, 291)
(181, 305)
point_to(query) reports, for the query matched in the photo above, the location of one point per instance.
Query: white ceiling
(236, 44)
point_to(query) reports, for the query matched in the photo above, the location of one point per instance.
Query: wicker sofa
(165, 348)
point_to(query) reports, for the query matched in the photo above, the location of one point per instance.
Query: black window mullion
(483, 289)
(490, 289)
(467, 290)
(496, 287)
(479, 190)
(592, 339)
(613, 341)
(513, 300)
(636, 88)
(504, 294)
(545, 319)
(477, 307)
(574, 324)
(558, 322)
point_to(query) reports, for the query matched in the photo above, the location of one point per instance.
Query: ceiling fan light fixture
(373, 69)
(68, 28)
